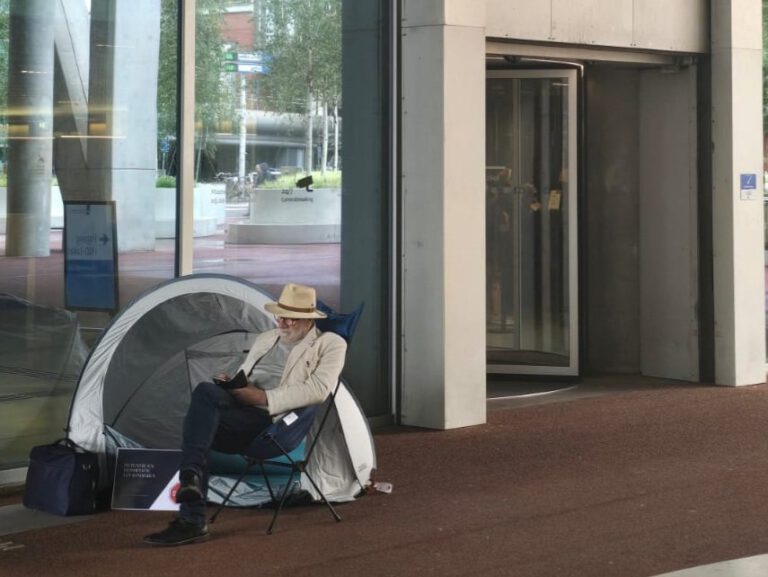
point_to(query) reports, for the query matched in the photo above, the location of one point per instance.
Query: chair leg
(266, 480)
(327, 503)
(232, 490)
(279, 507)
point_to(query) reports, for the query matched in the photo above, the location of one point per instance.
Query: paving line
(10, 546)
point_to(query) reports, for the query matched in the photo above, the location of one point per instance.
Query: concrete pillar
(443, 156)
(122, 125)
(740, 356)
(30, 128)
(71, 37)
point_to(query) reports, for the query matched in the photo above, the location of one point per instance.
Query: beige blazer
(311, 371)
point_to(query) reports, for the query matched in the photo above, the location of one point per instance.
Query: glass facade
(91, 171)
(268, 99)
(79, 94)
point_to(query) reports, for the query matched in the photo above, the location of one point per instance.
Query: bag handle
(67, 442)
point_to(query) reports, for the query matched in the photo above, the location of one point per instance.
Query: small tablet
(237, 382)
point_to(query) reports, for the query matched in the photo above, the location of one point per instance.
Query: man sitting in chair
(229, 419)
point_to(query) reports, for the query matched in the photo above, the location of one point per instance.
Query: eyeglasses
(285, 321)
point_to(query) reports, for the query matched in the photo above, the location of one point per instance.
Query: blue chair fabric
(281, 437)
(277, 442)
(343, 324)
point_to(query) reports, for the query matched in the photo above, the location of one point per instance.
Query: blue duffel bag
(61, 479)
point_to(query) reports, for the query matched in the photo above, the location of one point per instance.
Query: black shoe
(191, 488)
(179, 532)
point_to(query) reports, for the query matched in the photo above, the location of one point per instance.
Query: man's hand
(250, 396)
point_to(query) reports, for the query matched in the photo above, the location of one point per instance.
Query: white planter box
(290, 217)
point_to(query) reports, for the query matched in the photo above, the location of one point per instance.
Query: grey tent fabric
(138, 379)
(152, 359)
(170, 386)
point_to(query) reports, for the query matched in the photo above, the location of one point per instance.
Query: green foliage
(214, 93)
(303, 41)
(167, 74)
(765, 66)
(4, 46)
(165, 181)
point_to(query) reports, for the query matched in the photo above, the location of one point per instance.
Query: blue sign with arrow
(90, 255)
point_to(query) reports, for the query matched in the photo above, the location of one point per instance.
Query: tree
(765, 83)
(4, 42)
(302, 39)
(214, 97)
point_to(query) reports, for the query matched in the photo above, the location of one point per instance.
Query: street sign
(244, 68)
(245, 62)
(231, 56)
(249, 57)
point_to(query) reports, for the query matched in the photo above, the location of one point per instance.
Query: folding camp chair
(278, 440)
(282, 437)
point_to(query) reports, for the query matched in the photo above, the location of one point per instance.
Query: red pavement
(41, 280)
(625, 485)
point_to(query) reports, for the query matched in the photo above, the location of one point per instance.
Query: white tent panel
(339, 473)
(357, 435)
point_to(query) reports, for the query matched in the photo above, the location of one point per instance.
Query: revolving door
(531, 243)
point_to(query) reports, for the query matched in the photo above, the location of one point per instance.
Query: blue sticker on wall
(748, 186)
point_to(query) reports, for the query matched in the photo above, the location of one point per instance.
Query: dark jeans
(215, 420)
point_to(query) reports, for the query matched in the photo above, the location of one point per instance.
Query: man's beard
(291, 335)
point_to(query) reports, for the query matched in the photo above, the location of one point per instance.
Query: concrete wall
(677, 25)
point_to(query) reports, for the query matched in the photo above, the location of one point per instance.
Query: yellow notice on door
(554, 199)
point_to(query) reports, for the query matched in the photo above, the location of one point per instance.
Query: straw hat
(296, 302)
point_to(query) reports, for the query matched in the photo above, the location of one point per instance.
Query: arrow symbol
(104, 239)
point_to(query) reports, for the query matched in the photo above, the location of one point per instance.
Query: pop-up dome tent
(137, 382)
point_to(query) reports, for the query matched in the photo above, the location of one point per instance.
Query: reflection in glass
(267, 117)
(88, 99)
(80, 85)
(527, 204)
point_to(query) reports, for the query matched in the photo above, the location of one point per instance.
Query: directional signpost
(90, 255)
(245, 62)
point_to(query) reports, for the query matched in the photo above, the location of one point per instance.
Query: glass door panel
(531, 304)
